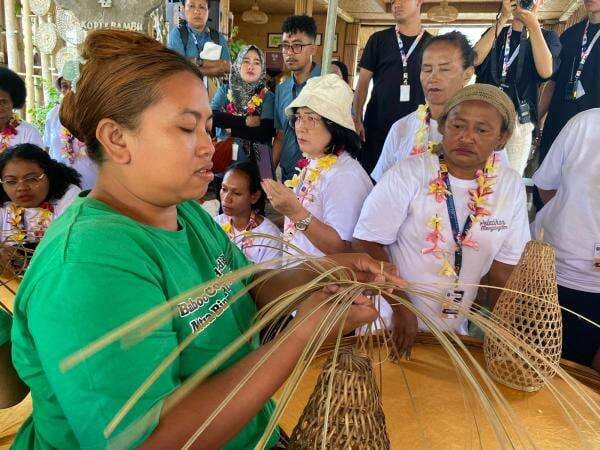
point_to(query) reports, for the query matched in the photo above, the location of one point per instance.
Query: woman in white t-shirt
(327, 195)
(35, 191)
(13, 130)
(243, 203)
(423, 203)
(568, 184)
(64, 148)
(447, 66)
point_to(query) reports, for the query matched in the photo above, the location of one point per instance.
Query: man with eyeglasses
(192, 34)
(392, 60)
(298, 48)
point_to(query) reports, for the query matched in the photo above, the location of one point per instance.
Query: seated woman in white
(243, 203)
(64, 148)
(447, 67)
(570, 219)
(13, 130)
(449, 218)
(35, 191)
(327, 195)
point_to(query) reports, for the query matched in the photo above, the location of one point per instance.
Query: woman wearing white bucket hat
(327, 194)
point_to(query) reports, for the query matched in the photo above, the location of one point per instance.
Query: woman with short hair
(14, 130)
(328, 192)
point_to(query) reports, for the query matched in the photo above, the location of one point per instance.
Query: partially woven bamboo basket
(537, 324)
(356, 419)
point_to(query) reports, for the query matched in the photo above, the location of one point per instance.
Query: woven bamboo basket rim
(583, 374)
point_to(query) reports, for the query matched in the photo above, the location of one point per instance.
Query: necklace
(71, 149)
(441, 191)
(252, 107)
(246, 241)
(305, 182)
(37, 225)
(422, 143)
(9, 131)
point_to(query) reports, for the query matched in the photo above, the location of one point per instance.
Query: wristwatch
(303, 224)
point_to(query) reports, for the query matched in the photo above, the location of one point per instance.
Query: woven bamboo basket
(356, 419)
(532, 321)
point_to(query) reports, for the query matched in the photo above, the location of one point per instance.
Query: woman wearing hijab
(246, 107)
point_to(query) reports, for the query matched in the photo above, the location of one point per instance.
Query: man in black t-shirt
(518, 61)
(570, 93)
(392, 60)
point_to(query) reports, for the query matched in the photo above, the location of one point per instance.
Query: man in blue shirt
(298, 48)
(198, 34)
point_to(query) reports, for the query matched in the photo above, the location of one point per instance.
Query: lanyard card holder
(454, 298)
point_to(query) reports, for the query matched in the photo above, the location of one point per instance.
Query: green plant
(235, 45)
(40, 112)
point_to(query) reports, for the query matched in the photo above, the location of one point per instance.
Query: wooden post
(224, 7)
(329, 36)
(46, 75)
(28, 44)
(11, 34)
(350, 55)
(303, 7)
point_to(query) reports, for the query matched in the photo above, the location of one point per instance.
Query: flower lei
(9, 131)
(304, 183)
(251, 107)
(421, 143)
(246, 241)
(478, 208)
(38, 227)
(68, 146)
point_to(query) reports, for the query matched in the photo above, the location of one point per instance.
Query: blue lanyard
(456, 233)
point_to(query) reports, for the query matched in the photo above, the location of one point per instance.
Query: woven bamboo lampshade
(355, 420)
(536, 323)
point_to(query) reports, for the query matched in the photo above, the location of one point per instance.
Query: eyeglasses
(295, 48)
(31, 181)
(310, 121)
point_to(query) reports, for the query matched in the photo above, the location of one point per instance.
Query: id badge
(234, 151)
(405, 92)
(454, 298)
(524, 113)
(579, 91)
(597, 257)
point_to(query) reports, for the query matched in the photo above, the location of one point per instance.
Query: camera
(526, 4)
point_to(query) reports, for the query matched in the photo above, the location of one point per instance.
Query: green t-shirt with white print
(95, 270)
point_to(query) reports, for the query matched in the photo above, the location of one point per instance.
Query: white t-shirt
(53, 140)
(571, 220)
(26, 134)
(336, 200)
(401, 139)
(262, 248)
(32, 217)
(397, 214)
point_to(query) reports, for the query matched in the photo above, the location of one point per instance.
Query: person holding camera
(518, 59)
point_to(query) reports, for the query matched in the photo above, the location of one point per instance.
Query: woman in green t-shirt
(135, 241)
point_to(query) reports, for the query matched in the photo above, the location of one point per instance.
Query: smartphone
(264, 161)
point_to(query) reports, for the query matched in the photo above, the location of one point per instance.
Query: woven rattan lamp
(536, 323)
(355, 420)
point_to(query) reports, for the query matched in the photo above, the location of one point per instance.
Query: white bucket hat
(330, 97)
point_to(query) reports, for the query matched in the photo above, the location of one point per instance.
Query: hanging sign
(124, 14)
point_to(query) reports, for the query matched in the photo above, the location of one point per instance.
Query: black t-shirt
(526, 87)
(562, 110)
(382, 57)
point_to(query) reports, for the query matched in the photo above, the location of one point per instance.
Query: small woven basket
(356, 419)
(538, 325)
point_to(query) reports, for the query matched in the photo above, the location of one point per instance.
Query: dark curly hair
(251, 171)
(14, 85)
(343, 69)
(300, 24)
(60, 176)
(458, 40)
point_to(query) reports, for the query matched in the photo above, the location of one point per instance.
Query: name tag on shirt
(404, 92)
(579, 92)
(597, 257)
